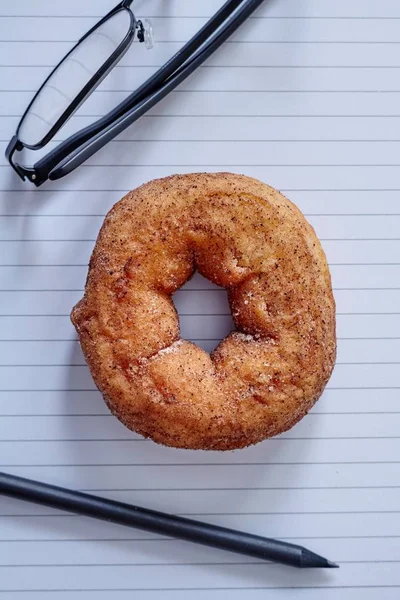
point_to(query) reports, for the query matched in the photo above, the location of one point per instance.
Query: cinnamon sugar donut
(245, 236)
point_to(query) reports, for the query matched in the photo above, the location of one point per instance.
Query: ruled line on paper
(183, 564)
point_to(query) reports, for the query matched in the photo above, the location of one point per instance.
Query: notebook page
(305, 96)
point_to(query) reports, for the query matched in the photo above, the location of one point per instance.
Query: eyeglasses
(82, 70)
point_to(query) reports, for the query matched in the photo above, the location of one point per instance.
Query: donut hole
(204, 313)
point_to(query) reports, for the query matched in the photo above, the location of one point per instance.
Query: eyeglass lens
(71, 76)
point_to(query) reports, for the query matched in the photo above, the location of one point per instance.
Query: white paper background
(306, 97)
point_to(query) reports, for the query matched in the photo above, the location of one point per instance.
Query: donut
(242, 235)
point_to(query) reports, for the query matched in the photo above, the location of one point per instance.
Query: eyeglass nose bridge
(145, 33)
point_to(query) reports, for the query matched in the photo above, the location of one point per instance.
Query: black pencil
(161, 523)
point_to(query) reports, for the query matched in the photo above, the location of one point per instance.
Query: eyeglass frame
(17, 145)
(76, 149)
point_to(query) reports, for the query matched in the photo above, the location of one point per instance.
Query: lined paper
(305, 97)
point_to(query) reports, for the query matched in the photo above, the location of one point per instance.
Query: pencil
(161, 523)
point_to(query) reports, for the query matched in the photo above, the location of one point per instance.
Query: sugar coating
(245, 236)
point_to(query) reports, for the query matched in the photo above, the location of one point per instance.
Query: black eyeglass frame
(17, 145)
(75, 150)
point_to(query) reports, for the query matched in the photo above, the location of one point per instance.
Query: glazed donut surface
(240, 234)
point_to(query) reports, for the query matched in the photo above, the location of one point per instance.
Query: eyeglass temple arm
(44, 166)
(91, 147)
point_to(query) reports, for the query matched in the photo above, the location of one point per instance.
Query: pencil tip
(311, 560)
